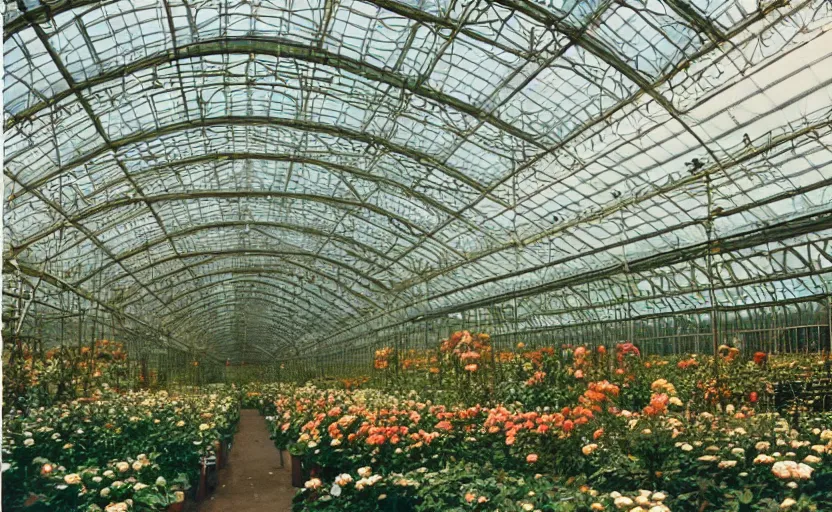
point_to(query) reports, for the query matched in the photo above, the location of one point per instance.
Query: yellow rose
(72, 479)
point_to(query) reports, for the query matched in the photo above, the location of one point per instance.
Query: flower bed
(567, 430)
(727, 460)
(137, 451)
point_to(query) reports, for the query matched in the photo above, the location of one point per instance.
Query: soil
(253, 480)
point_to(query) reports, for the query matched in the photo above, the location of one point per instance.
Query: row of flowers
(465, 486)
(467, 368)
(33, 378)
(656, 424)
(113, 451)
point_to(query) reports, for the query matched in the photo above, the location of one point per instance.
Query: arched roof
(305, 171)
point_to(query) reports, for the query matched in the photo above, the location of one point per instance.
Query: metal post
(709, 262)
(829, 324)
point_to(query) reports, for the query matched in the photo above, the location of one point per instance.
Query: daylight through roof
(265, 180)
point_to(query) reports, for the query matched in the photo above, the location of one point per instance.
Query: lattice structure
(258, 179)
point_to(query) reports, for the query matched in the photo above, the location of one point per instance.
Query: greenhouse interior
(417, 256)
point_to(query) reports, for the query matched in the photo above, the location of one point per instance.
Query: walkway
(253, 480)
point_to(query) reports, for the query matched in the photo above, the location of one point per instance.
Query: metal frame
(521, 201)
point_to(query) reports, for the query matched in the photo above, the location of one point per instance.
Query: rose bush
(595, 429)
(724, 458)
(65, 454)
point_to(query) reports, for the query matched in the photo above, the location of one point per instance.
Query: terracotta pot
(176, 507)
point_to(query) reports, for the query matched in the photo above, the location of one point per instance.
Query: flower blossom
(314, 483)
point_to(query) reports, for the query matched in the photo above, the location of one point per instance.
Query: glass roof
(312, 170)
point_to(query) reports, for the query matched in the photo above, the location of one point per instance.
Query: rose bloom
(763, 459)
(72, 479)
(117, 507)
(470, 497)
(343, 479)
(444, 425)
(788, 503)
(531, 458)
(804, 472)
(784, 469)
(760, 357)
(314, 483)
(365, 472)
(762, 446)
(471, 367)
(725, 464)
(122, 467)
(588, 449)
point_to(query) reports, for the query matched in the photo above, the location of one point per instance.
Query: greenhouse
(417, 256)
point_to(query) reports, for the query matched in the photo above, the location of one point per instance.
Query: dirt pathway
(253, 480)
